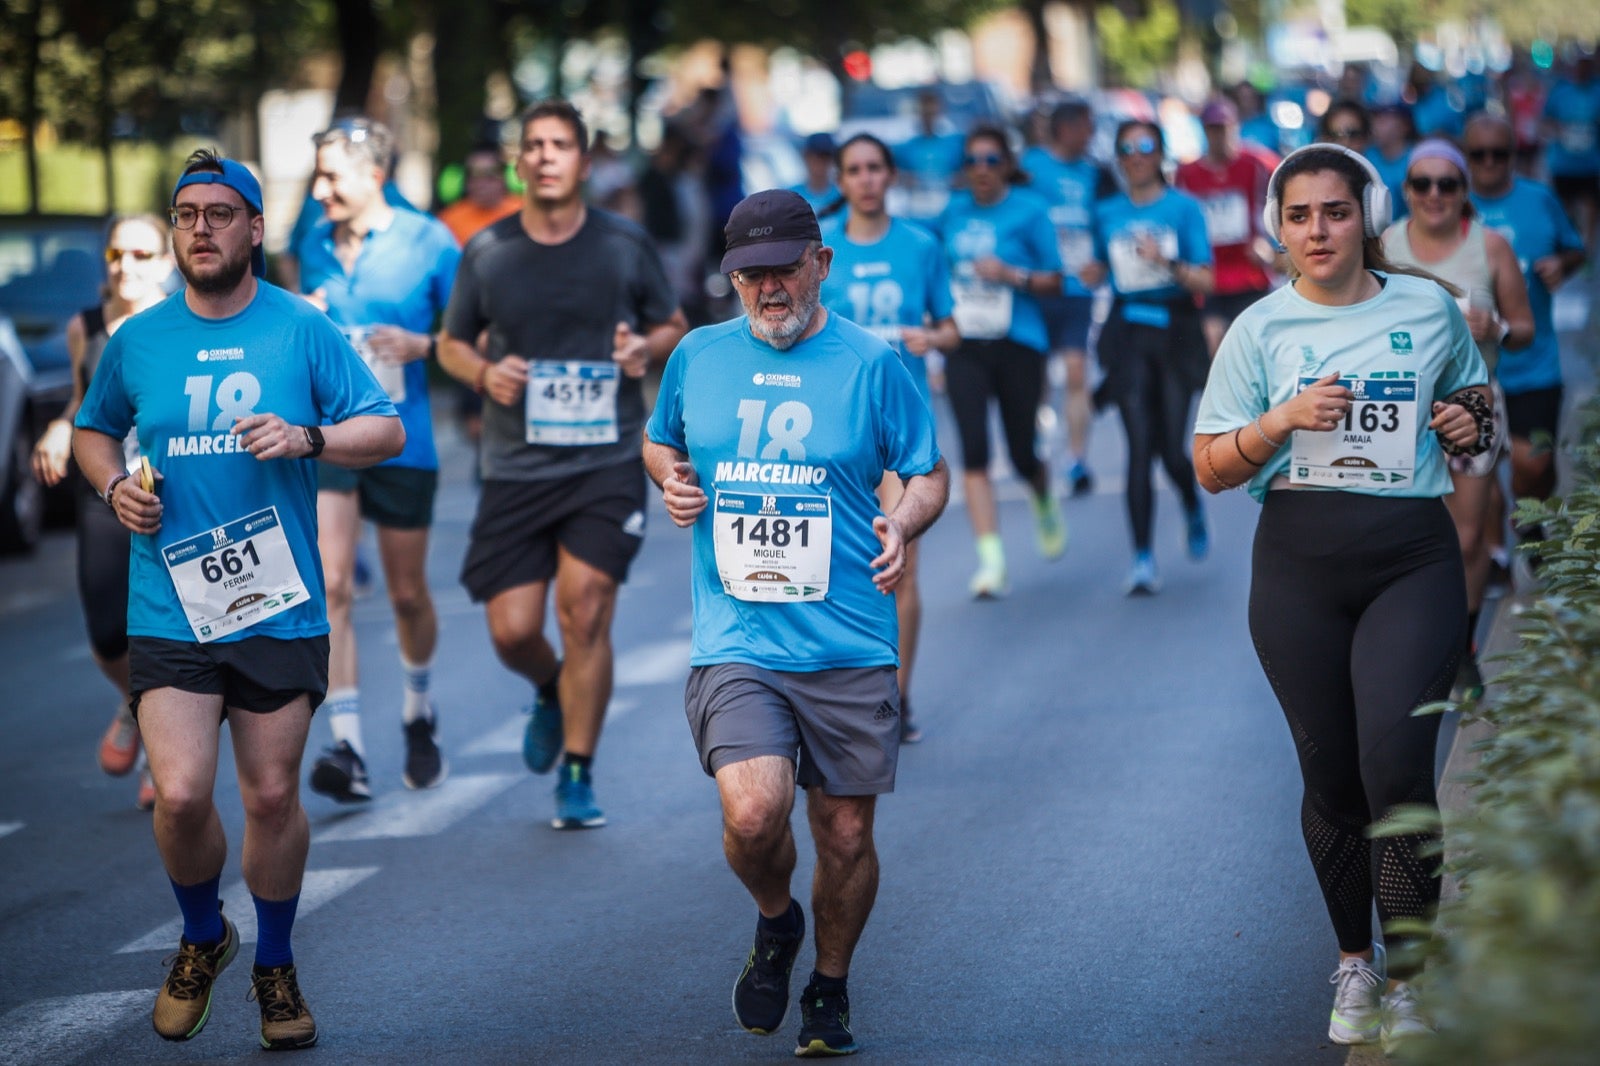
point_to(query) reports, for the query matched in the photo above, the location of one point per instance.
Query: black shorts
(598, 516)
(399, 497)
(256, 674)
(1067, 320)
(1533, 412)
(1228, 306)
(1576, 187)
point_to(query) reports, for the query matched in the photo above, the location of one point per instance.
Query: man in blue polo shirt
(233, 385)
(384, 277)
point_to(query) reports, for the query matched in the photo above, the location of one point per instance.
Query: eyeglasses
(1348, 133)
(140, 255)
(1143, 146)
(218, 216)
(988, 159)
(1484, 155)
(758, 276)
(1423, 186)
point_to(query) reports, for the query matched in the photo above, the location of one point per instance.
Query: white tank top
(1467, 268)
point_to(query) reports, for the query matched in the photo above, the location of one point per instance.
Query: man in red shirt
(1230, 181)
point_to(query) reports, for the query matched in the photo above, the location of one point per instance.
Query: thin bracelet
(1206, 454)
(1273, 444)
(1240, 449)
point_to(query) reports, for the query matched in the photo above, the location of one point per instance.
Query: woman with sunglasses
(889, 276)
(1335, 399)
(1003, 256)
(1443, 237)
(1346, 123)
(1151, 241)
(138, 264)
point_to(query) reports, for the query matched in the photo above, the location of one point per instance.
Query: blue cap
(237, 177)
(820, 144)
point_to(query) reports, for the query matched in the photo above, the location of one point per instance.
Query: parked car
(891, 114)
(50, 268)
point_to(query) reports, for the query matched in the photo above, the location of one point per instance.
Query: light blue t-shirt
(1412, 331)
(402, 277)
(182, 381)
(1017, 230)
(928, 164)
(1176, 223)
(1575, 110)
(1531, 218)
(899, 280)
(818, 200)
(1393, 173)
(817, 424)
(1071, 189)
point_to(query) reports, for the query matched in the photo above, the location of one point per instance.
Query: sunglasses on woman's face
(1484, 155)
(985, 159)
(1143, 146)
(1423, 186)
(140, 255)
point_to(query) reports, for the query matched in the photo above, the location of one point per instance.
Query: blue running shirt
(1575, 110)
(181, 381)
(1411, 332)
(1071, 190)
(402, 277)
(808, 431)
(1017, 230)
(928, 164)
(1178, 226)
(1531, 218)
(901, 280)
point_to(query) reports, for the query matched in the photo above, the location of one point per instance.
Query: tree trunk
(1040, 78)
(358, 50)
(463, 47)
(107, 117)
(30, 105)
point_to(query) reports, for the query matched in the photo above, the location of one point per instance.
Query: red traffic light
(858, 65)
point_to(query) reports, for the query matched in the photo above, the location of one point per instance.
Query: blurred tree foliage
(1134, 50)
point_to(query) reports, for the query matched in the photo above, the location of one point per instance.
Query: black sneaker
(824, 1024)
(1469, 681)
(761, 995)
(425, 765)
(340, 774)
(1080, 481)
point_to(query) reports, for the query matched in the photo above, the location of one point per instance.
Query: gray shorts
(841, 726)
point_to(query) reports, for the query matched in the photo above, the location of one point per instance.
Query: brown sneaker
(286, 1022)
(184, 1003)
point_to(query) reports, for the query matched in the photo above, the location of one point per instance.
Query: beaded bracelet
(1212, 467)
(1273, 444)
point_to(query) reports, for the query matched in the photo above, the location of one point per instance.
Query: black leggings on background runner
(1358, 612)
(1011, 373)
(1153, 393)
(103, 546)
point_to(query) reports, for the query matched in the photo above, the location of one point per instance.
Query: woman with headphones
(1337, 400)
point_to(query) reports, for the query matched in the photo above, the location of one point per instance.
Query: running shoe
(340, 774)
(542, 739)
(761, 994)
(1050, 526)
(120, 745)
(1143, 579)
(146, 799)
(425, 765)
(1357, 989)
(1080, 480)
(575, 806)
(1468, 684)
(1199, 539)
(909, 733)
(824, 1024)
(183, 1006)
(286, 1022)
(988, 582)
(1403, 1020)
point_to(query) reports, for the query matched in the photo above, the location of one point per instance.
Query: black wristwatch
(314, 438)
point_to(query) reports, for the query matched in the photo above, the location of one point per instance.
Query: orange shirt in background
(465, 218)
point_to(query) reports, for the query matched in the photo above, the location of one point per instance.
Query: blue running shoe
(575, 808)
(1199, 538)
(1143, 579)
(542, 739)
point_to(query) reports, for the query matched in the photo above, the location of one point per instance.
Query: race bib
(1376, 444)
(234, 576)
(927, 199)
(391, 376)
(1577, 137)
(1131, 272)
(1077, 250)
(1227, 218)
(773, 549)
(572, 403)
(982, 308)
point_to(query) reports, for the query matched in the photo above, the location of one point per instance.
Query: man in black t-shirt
(577, 307)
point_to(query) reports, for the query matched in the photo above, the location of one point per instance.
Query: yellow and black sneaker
(183, 1005)
(286, 1021)
(825, 1023)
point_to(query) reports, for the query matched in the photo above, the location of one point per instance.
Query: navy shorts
(1067, 320)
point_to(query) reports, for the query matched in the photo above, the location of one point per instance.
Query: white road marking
(318, 887)
(416, 814)
(654, 664)
(506, 738)
(67, 1028)
(7, 828)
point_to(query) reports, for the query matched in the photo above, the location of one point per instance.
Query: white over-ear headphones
(1377, 207)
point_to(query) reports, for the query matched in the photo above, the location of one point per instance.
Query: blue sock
(274, 923)
(202, 910)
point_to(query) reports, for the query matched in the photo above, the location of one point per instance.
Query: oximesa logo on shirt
(782, 381)
(219, 355)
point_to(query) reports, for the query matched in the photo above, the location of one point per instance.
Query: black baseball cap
(769, 229)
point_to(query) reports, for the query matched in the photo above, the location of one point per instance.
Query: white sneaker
(988, 582)
(1358, 990)
(1402, 1018)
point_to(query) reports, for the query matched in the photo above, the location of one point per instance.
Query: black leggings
(1153, 396)
(1011, 373)
(103, 546)
(1358, 612)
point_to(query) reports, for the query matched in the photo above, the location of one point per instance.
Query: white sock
(344, 717)
(418, 677)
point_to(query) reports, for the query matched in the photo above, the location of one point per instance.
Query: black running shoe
(761, 995)
(1469, 681)
(340, 774)
(425, 765)
(1080, 480)
(824, 1024)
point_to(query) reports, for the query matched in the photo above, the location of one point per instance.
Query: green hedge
(1514, 976)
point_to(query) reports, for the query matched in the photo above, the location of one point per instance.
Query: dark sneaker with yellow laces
(286, 1022)
(761, 994)
(824, 1023)
(183, 1006)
